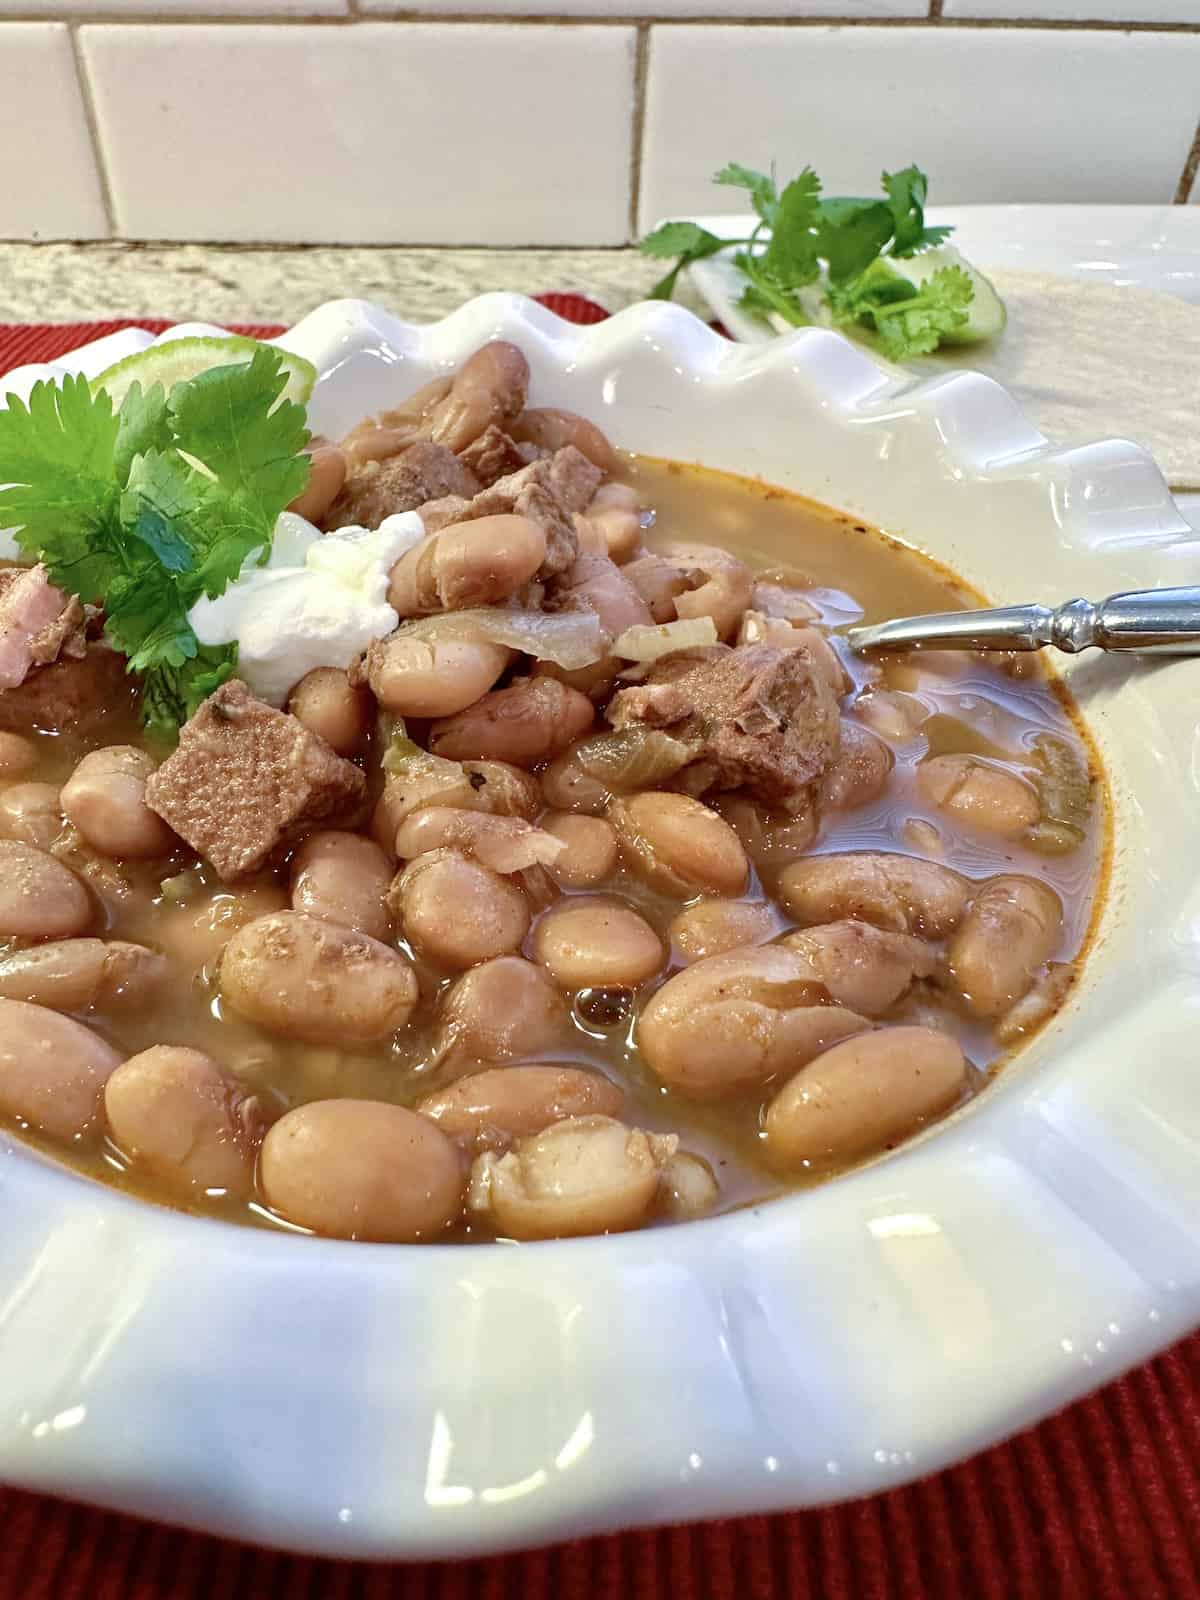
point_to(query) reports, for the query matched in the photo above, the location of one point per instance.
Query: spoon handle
(1152, 622)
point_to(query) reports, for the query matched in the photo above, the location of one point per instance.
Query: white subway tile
(1078, 10)
(371, 133)
(182, 8)
(49, 185)
(990, 113)
(657, 9)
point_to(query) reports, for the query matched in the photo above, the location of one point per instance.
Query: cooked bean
(505, 844)
(327, 474)
(891, 714)
(39, 897)
(588, 942)
(901, 893)
(595, 583)
(737, 1020)
(475, 563)
(488, 388)
(724, 593)
(82, 974)
(566, 784)
(32, 813)
(863, 967)
(616, 514)
(552, 429)
(304, 978)
(503, 790)
(376, 438)
(362, 1169)
(660, 583)
(488, 1110)
(52, 1070)
(584, 1175)
(920, 835)
(1010, 931)
(343, 878)
(105, 798)
(862, 1096)
(174, 1112)
(678, 845)
(535, 719)
(490, 786)
(710, 927)
(195, 932)
(860, 771)
(772, 839)
(433, 677)
(1042, 1001)
(333, 708)
(688, 1187)
(501, 1010)
(781, 600)
(589, 853)
(17, 756)
(457, 912)
(975, 792)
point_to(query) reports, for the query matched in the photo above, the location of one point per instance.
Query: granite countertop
(237, 283)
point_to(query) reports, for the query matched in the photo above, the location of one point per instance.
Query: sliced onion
(646, 641)
(570, 639)
(633, 758)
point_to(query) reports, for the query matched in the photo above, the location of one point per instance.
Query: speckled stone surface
(229, 283)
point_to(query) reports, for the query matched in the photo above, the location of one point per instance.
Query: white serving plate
(389, 1401)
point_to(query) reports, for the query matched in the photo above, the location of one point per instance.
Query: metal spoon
(1163, 622)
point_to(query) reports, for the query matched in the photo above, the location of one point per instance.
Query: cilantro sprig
(812, 258)
(145, 509)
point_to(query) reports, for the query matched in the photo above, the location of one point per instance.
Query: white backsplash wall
(568, 122)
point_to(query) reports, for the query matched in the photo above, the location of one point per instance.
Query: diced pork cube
(379, 489)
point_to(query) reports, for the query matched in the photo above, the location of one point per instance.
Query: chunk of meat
(550, 492)
(76, 692)
(760, 719)
(247, 779)
(595, 583)
(36, 619)
(493, 455)
(379, 489)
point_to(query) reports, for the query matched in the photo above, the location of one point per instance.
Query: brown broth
(850, 571)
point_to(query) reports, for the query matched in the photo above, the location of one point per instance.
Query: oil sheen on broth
(958, 704)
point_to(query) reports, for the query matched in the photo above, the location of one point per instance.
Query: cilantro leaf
(910, 320)
(906, 192)
(850, 235)
(680, 239)
(156, 504)
(764, 196)
(142, 425)
(764, 292)
(173, 694)
(791, 257)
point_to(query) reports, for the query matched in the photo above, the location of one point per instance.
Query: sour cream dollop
(319, 601)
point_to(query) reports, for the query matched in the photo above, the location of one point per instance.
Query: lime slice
(986, 315)
(176, 360)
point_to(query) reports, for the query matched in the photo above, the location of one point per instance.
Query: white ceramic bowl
(389, 1401)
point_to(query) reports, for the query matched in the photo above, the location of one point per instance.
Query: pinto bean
(433, 677)
(39, 897)
(1040, 1003)
(457, 912)
(584, 1175)
(333, 708)
(710, 927)
(489, 786)
(535, 719)
(566, 784)
(863, 1095)
(552, 429)
(772, 839)
(195, 932)
(505, 844)
(488, 388)
(105, 798)
(18, 756)
(82, 975)
(900, 893)
(725, 591)
(595, 583)
(660, 583)
(616, 514)
(891, 714)
(679, 845)
(475, 563)
(327, 474)
(32, 813)
(589, 853)
(592, 942)
(362, 1169)
(488, 1110)
(980, 794)
(861, 966)
(1010, 931)
(860, 770)
(304, 978)
(501, 1010)
(688, 1187)
(52, 1070)
(176, 1114)
(737, 1020)
(343, 878)
(376, 438)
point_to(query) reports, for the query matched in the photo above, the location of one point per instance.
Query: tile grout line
(1187, 177)
(93, 128)
(935, 10)
(356, 16)
(641, 67)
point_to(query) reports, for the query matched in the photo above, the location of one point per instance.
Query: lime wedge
(176, 360)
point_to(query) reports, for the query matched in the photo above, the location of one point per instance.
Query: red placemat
(1099, 1503)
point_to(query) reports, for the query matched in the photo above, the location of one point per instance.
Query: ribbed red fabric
(1099, 1503)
